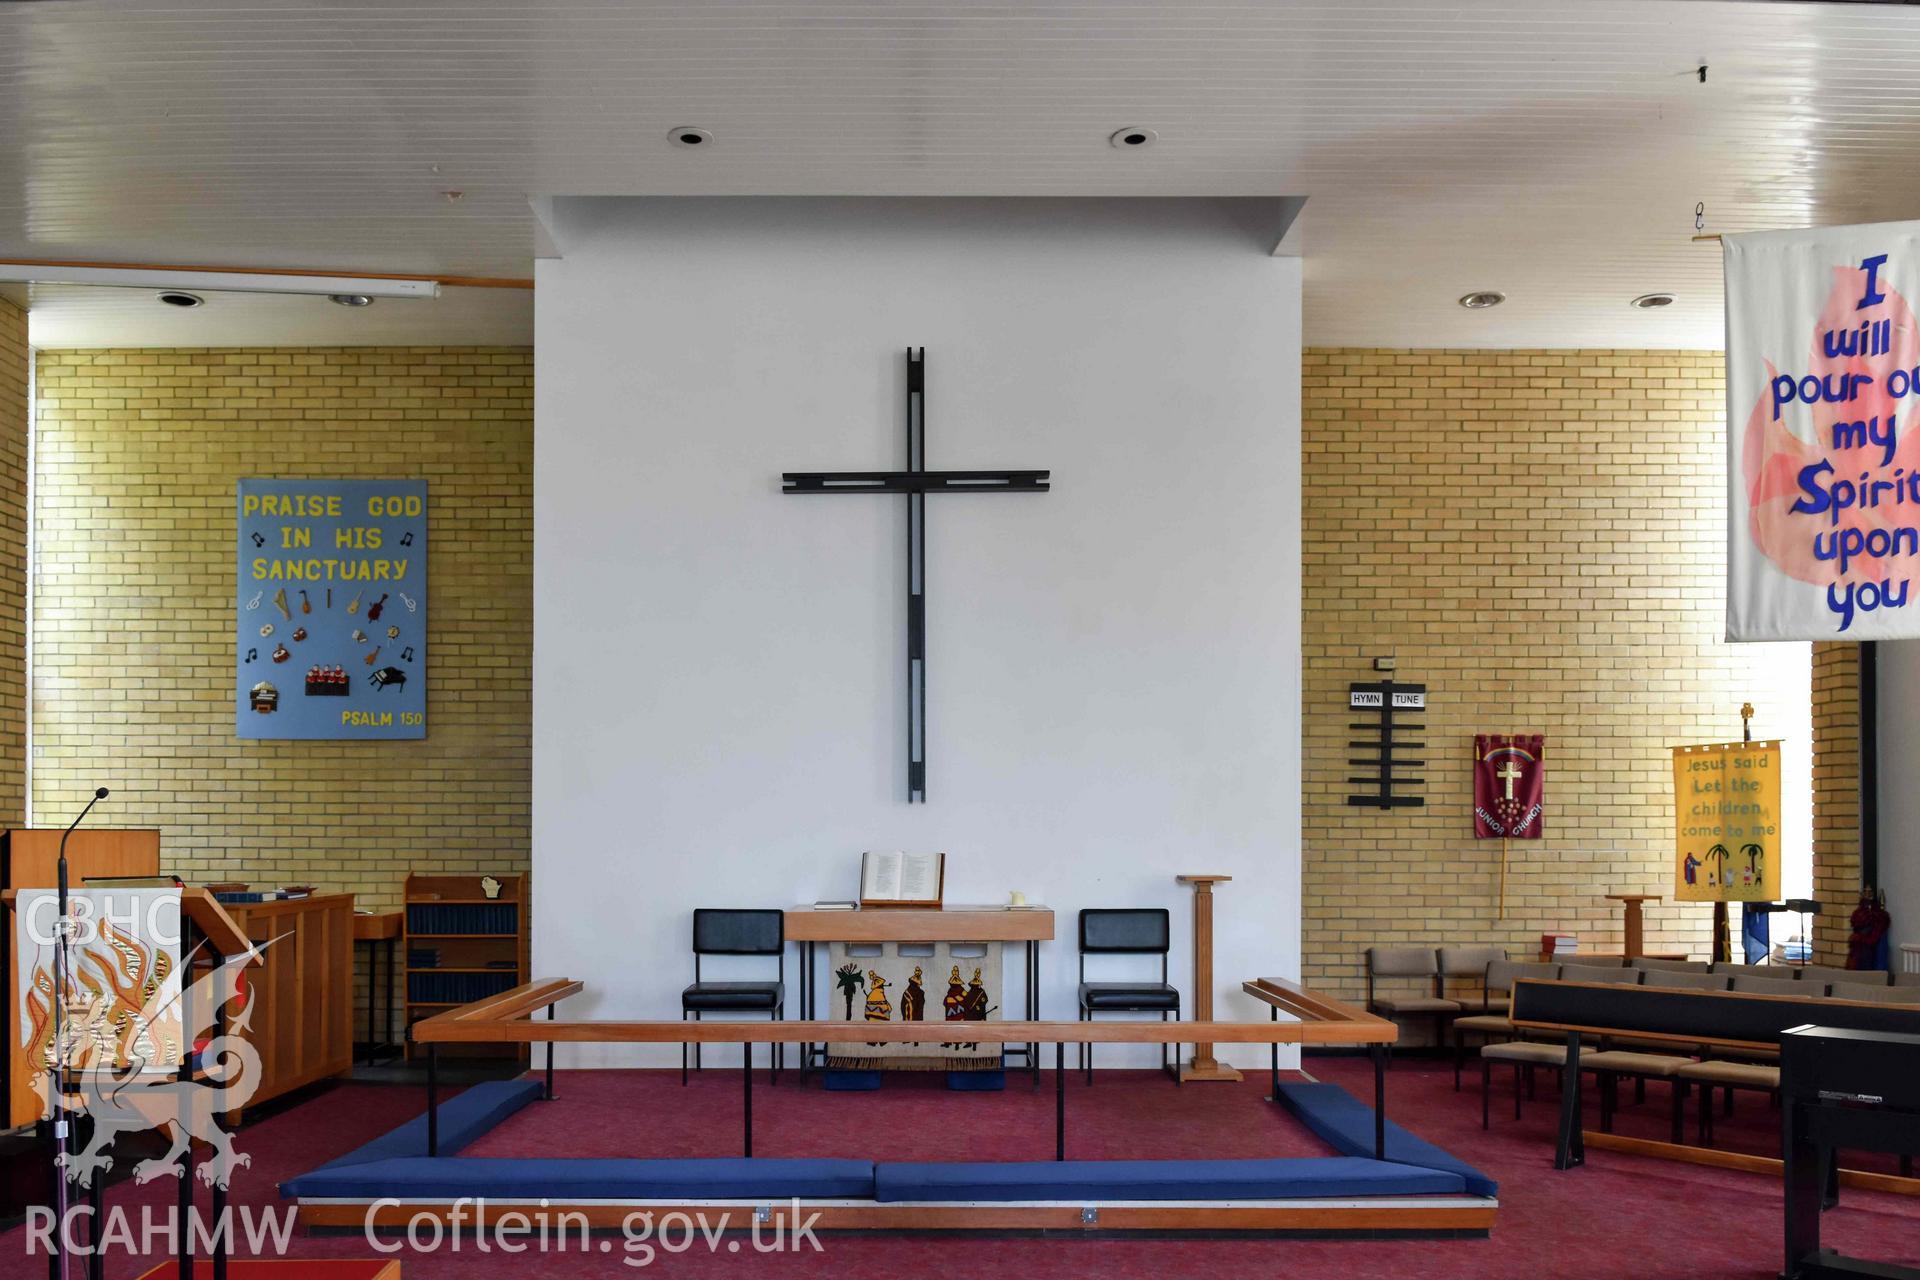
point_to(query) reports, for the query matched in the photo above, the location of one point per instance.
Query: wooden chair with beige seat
(1525, 1055)
(1755, 1069)
(1463, 977)
(1620, 1057)
(1490, 1021)
(1835, 977)
(1652, 963)
(1418, 967)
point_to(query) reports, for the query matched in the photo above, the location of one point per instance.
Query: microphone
(100, 793)
(62, 966)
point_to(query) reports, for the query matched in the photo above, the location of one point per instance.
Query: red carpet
(1622, 1216)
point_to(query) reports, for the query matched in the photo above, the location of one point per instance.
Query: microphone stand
(62, 964)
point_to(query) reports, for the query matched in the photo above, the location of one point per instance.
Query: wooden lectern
(1633, 946)
(1204, 1066)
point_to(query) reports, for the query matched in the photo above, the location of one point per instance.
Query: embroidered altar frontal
(957, 982)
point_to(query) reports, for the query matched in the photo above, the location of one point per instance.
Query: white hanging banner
(1823, 415)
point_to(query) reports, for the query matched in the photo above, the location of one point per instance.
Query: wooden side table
(382, 933)
(1204, 1066)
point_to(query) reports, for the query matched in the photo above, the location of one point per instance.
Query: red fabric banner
(1508, 785)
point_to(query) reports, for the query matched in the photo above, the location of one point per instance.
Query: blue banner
(331, 632)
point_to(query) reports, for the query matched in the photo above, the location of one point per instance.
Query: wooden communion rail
(508, 1018)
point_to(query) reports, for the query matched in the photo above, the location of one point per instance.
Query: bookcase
(461, 945)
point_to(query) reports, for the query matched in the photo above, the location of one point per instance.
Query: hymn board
(916, 482)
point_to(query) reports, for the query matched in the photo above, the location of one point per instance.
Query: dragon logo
(123, 1017)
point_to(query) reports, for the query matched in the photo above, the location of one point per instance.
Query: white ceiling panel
(1552, 150)
(83, 316)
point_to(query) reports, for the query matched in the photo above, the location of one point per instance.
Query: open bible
(895, 879)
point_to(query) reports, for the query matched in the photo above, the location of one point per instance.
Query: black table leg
(373, 986)
(1572, 1148)
(746, 1097)
(392, 947)
(1033, 1006)
(552, 1011)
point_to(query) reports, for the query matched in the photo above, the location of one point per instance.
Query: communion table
(916, 965)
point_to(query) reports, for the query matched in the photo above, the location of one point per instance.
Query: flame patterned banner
(1823, 380)
(122, 999)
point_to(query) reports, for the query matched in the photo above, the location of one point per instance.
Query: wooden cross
(916, 482)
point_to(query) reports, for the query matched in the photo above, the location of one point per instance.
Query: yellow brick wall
(1836, 796)
(1537, 536)
(137, 456)
(14, 416)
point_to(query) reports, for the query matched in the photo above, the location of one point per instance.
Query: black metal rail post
(550, 1048)
(1379, 1101)
(1273, 1015)
(1060, 1100)
(433, 1103)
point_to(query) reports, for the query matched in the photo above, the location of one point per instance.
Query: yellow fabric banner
(1726, 810)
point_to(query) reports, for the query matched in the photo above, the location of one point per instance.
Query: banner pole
(1503, 879)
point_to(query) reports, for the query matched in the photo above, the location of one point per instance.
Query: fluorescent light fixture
(166, 278)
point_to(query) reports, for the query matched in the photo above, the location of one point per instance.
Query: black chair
(1136, 931)
(719, 932)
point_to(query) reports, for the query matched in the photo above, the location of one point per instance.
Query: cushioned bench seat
(1087, 1181)
(463, 1118)
(588, 1179)
(1345, 1123)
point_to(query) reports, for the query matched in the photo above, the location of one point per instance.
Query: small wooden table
(1630, 904)
(381, 932)
(1204, 1066)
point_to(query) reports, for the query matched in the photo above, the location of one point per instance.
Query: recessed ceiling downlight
(350, 299)
(687, 136)
(1133, 139)
(1481, 299)
(1648, 301)
(179, 298)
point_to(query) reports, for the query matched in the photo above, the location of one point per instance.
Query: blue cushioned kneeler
(835, 1080)
(591, 1179)
(463, 1117)
(976, 1081)
(1345, 1123)
(1089, 1180)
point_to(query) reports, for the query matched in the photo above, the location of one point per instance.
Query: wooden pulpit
(200, 914)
